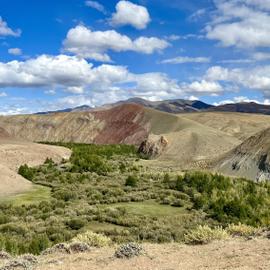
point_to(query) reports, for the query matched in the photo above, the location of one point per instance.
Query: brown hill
(239, 125)
(250, 159)
(123, 124)
(188, 140)
(193, 139)
(14, 153)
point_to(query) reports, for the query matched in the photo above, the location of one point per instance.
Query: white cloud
(96, 5)
(197, 15)
(241, 23)
(173, 37)
(89, 44)
(257, 78)
(75, 89)
(260, 56)
(3, 94)
(95, 84)
(7, 31)
(15, 51)
(237, 61)
(204, 87)
(128, 13)
(186, 59)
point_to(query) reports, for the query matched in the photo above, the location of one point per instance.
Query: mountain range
(178, 106)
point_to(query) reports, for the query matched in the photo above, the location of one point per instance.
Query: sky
(57, 54)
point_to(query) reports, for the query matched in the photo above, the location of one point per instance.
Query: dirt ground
(14, 153)
(232, 254)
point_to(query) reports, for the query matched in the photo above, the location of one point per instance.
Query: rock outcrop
(153, 146)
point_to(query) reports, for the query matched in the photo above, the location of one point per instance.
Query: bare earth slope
(229, 255)
(14, 153)
(191, 137)
(250, 159)
(240, 125)
(189, 141)
(122, 124)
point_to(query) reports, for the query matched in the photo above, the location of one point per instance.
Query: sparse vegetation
(205, 234)
(92, 239)
(103, 194)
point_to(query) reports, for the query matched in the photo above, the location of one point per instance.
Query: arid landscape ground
(234, 144)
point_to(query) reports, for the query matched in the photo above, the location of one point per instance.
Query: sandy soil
(232, 254)
(14, 153)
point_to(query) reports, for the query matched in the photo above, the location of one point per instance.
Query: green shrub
(131, 181)
(242, 230)
(39, 243)
(26, 172)
(205, 234)
(76, 223)
(92, 239)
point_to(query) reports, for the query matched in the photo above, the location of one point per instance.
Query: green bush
(204, 235)
(131, 181)
(92, 239)
(76, 223)
(26, 172)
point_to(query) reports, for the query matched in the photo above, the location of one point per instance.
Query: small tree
(26, 172)
(131, 181)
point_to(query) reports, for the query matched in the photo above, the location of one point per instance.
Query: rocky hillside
(187, 140)
(122, 124)
(250, 159)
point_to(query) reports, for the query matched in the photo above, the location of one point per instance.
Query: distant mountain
(176, 106)
(243, 107)
(170, 106)
(82, 108)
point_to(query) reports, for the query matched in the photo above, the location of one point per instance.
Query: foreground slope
(251, 159)
(233, 254)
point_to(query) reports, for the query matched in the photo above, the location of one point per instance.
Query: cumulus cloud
(15, 51)
(204, 87)
(257, 78)
(240, 23)
(186, 59)
(96, 5)
(5, 30)
(89, 44)
(128, 13)
(95, 84)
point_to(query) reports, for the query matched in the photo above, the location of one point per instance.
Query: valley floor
(231, 254)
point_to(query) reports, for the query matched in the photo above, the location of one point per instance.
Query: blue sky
(56, 54)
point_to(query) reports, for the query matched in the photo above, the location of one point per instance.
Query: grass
(151, 208)
(36, 195)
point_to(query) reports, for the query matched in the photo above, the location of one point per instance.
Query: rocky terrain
(251, 159)
(232, 254)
